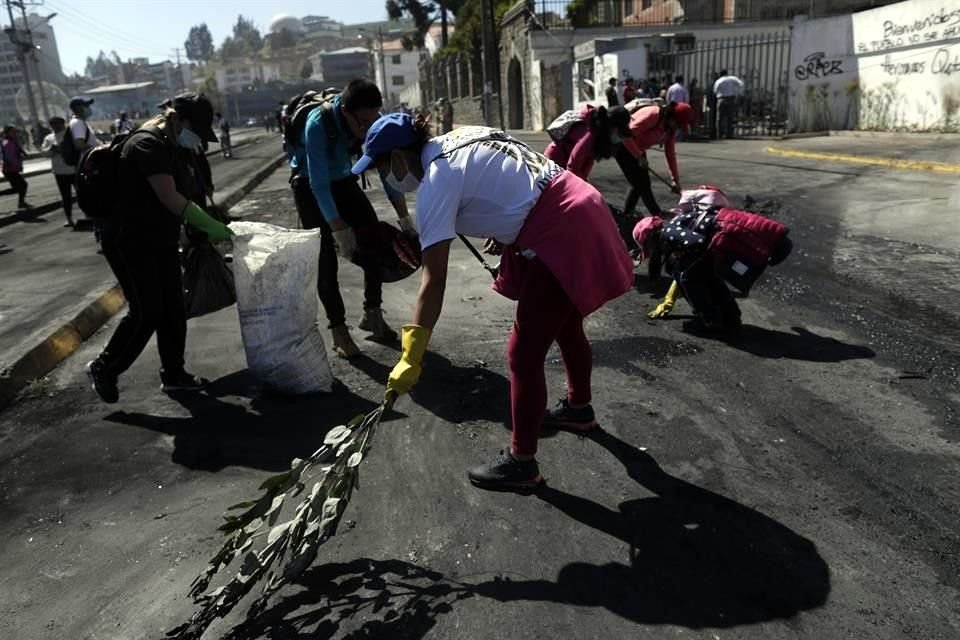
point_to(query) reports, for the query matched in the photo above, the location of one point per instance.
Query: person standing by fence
(728, 88)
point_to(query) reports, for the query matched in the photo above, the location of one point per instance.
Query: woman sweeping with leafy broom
(562, 260)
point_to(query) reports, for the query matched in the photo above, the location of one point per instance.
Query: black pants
(17, 183)
(639, 179)
(727, 115)
(708, 294)
(152, 283)
(65, 184)
(357, 212)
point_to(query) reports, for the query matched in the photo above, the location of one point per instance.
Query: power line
(109, 33)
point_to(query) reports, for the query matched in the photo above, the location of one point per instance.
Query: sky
(154, 28)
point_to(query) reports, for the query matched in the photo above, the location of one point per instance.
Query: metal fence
(760, 60)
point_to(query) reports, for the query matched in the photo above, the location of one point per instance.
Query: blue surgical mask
(188, 140)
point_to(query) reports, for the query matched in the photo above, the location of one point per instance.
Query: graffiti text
(816, 66)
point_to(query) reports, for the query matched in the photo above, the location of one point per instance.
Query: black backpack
(299, 109)
(98, 174)
(68, 149)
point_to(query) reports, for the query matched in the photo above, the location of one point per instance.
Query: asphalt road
(51, 272)
(800, 483)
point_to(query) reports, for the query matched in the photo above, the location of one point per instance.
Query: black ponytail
(600, 128)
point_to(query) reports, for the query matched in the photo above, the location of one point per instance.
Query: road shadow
(697, 559)
(802, 344)
(4, 249)
(457, 393)
(275, 429)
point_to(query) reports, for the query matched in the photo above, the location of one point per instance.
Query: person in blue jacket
(328, 196)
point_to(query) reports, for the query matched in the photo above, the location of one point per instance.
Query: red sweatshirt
(647, 132)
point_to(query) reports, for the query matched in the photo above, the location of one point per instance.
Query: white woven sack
(276, 280)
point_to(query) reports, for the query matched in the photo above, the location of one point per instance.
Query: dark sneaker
(104, 385)
(567, 418)
(506, 473)
(181, 381)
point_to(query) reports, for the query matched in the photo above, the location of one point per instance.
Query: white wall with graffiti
(892, 68)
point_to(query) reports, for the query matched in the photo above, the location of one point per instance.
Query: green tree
(199, 44)
(247, 34)
(285, 39)
(424, 14)
(468, 37)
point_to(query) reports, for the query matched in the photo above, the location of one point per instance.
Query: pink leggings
(544, 314)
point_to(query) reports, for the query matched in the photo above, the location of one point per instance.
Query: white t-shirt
(484, 189)
(80, 130)
(51, 145)
(728, 87)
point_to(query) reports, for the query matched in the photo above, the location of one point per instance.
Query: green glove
(200, 219)
(407, 372)
(664, 308)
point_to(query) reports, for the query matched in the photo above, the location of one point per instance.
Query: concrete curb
(43, 209)
(56, 347)
(890, 163)
(60, 344)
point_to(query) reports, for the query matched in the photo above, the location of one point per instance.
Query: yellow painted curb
(40, 360)
(893, 163)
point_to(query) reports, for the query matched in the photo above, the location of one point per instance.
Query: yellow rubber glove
(414, 341)
(664, 308)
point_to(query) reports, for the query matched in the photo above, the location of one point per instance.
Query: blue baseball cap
(389, 132)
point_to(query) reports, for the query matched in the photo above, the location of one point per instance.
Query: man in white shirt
(84, 136)
(727, 89)
(677, 92)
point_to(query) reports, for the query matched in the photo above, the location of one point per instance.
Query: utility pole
(383, 62)
(36, 62)
(489, 70)
(179, 70)
(443, 23)
(22, 47)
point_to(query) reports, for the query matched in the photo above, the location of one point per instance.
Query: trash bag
(387, 250)
(207, 280)
(276, 283)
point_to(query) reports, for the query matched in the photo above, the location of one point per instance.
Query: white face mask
(406, 185)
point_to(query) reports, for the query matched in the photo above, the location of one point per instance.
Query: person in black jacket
(140, 242)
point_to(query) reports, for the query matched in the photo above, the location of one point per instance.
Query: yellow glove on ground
(414, 341)
(664, 308)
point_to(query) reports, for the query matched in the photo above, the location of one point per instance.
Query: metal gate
(760, 60)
